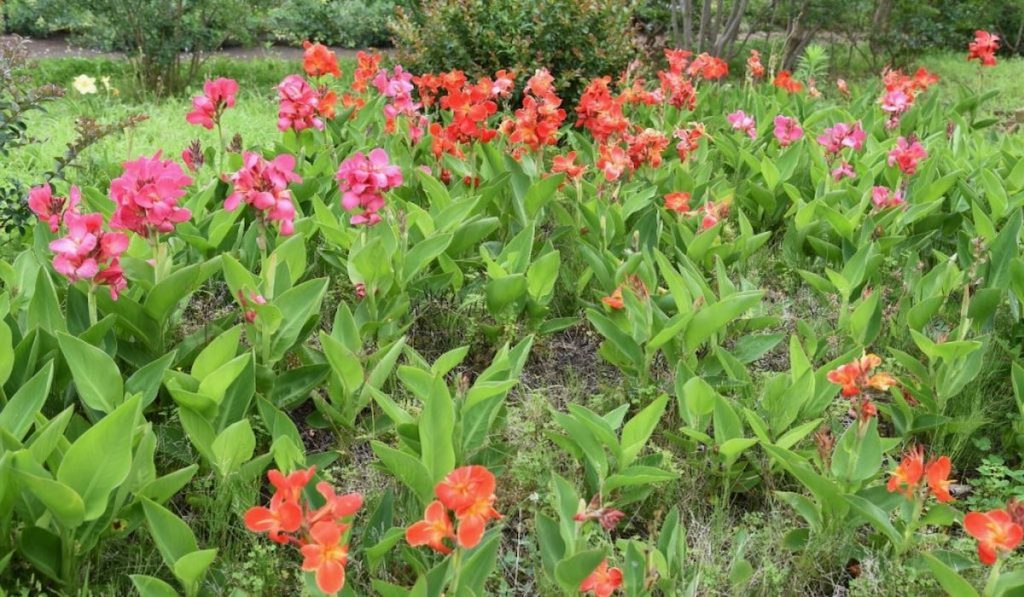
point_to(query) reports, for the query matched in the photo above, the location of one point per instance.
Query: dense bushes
(575, 39)
(344, 23)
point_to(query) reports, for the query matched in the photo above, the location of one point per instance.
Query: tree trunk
(879, 23)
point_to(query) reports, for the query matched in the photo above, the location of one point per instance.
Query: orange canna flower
(473, 521)
(907, 476)
(327, 556)
(281, 517)
(465, 486)
(603, 581)
(996, 532)
(853, 376)
(983, 48)
(937, 474)
(785, 80)
(678, 202)
(318, 60)
(567, 163)
(290, 487)
(614, 300)
(432, 530)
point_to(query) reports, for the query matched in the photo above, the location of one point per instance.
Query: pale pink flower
(264, 185)
(883, 197)
(147, 195)
(52, 208)
(218, 95)
(363, 180)
(787, 130)
(741, 121)
(841, 136)
(299, 104)
(843, 170)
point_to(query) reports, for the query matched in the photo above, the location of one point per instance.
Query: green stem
(93, 317)
(223, 148)
(68, 568)
(908, 532)
(456, 570)
(993, 579)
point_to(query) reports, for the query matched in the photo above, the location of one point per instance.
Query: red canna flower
(218, 95)
(755, 70)
(708, 67)
(51, 208)
(318, 60)
(367, 66)
(677, 60)
(432, 530)
(937, 474)
(290, 486)
(689, 140)
(473, 521)
(784, 80)
(464, 486)
(906, 155)
(907, 477)
(606, 516)
(613, 161)
(327, 555)
(536, 124)
(599, 112)
(87, 252)
(603, 581)
(678, 202)
(855, 377)
(646, 147)
(996, 532)
(567, 164)
(146, 195)
(677, 90)
(298, 105)
(614, 300)
(283, 516)
(983, 48)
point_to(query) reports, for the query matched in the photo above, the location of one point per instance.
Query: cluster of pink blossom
(363, 180)
(837, 138)
(741, 121)
(299, 105)
(883, 197)
(218, 95)
(146, 196)
(88, 252)
(787, 130)
(51, 208)
(264, 185)
(398, 87)
(906, 155)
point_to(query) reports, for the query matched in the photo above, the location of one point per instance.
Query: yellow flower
(84, 84)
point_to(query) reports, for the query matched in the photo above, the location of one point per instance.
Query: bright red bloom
(677, 60)
(432, 530)
(708, 67)
(318, 60)
(637, 94)
(906, 155)
(678, 202)
(996, 532)
(290, 486)
(566, 163)
(328, 103)
(473, 521)
(983, 48)
(603, 581)
(218, 95)
(52, 208)
(283, 516)
(646, 147)
(147, 195)
(677, 90)
(536, 124)
(599, 112)
(465, 486)
(327, 555)
(937, 473)
(264, 185)
(784, 80)
(907, 477)
(755, 70)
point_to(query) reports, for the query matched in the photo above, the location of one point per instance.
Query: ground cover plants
(700, 332)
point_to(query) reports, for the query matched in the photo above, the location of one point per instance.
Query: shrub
(576, 40)
(345, 23)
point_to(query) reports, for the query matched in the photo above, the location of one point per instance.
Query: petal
(471, 530)
(259, 519)
(330, 577)
(326, 533)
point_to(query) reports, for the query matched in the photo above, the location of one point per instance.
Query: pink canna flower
(363, 180)
(52, 208)
(218, 95)
(90, 253)
(841, 136)
(843, 170)
(264, 185)
(884, 198)
(147, 195)
(741, 121)
(906, 155)
(299, 106)
(787, 130)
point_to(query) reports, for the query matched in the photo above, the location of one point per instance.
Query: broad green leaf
(97, 378)
(637, 430)
(19, 413)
